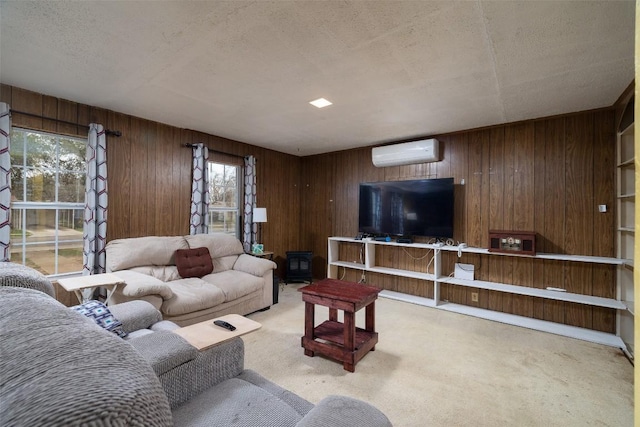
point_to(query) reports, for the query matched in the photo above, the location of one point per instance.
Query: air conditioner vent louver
(407, 153)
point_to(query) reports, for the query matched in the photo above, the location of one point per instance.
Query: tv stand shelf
(436, 279)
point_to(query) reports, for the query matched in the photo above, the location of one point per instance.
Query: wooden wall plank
(496, 209)
(604, 279)
(552, 234)
(539, 209)
(68, 112)
(49, 109)
(579, 208)
(119, 178)
(28, 102)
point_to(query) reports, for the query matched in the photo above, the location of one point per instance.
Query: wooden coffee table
(343, 342)
(205, 334)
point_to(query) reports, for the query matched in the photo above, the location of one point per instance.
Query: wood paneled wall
(547, 176)
(149, 170)
(544, 175)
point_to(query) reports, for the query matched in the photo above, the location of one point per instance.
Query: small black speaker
(495, 243)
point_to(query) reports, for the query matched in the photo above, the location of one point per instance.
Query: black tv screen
(407, 208)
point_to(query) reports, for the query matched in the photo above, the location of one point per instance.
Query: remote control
(224, 324)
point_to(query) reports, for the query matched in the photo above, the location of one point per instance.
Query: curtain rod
(107, 131)
(215, 151)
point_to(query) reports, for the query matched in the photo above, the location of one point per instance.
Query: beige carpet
(435, 368)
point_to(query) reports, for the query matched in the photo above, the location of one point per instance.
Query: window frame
(20, 207)
(239, 198)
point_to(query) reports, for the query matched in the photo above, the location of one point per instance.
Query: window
(224, 198)
(47, 192)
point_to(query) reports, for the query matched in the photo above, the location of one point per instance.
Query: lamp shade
(260, 215)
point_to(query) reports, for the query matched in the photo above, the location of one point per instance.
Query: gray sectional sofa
(239, 283)
(59, 368)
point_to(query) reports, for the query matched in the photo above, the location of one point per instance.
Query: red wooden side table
(343, 342)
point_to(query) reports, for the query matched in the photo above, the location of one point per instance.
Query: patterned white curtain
(199, 222)
(249, 229)
(5, 182)
(95, 208)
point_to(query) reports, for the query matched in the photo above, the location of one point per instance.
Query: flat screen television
(407, 208)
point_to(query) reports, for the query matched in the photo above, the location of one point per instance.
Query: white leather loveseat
(188, 291)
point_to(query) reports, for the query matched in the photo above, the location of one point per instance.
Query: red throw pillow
(194, 262)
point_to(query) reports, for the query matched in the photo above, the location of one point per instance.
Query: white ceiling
(394, 70)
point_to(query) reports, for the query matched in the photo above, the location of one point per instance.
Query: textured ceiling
(395, 70)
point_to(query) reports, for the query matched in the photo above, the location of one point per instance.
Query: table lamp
(259, 216)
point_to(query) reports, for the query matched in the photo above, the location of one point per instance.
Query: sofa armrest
(164, 350)
(140, 285)
(337, 411)
(135, 315)
(210, 367)
(254, 265)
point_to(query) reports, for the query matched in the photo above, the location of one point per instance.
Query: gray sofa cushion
(60, 369)
(236, 402)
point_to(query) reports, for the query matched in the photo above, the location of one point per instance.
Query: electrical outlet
(474, 297)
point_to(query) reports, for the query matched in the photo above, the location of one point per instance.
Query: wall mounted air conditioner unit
(407, 153)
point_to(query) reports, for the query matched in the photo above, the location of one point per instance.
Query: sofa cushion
(234, 284)
(123, 254)
(191, 295)
(224, 263)
(139, 285)
(219, 244)
(164, 273)
(194, 262)
(236, 402)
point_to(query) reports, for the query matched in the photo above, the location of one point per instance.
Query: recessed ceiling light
(320, 103)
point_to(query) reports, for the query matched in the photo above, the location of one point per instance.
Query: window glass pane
(17, 184)
(17, 148)
(41, 150)
(41, 185)
(230, 197)
(230, 174)
(71, 187)
(72, 154)
(70, 224)
(223, 222)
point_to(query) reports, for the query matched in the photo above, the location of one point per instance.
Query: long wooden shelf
(437, 279)
(402, 273)
(538, 292)
(512, 319)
